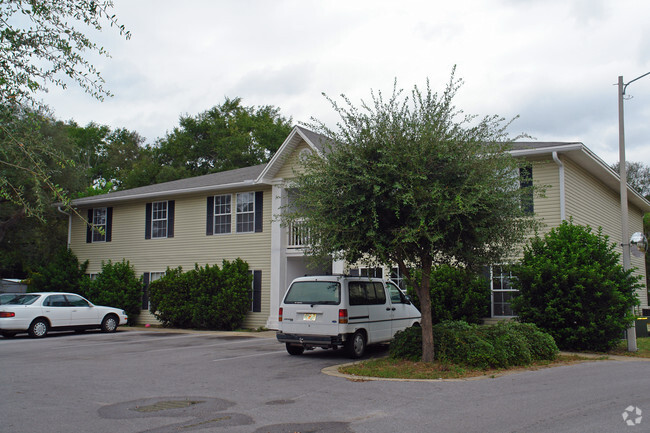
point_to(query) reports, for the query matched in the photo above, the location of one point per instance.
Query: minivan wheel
(356, 346)
(294, 350)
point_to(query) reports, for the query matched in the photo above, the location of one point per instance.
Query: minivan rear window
(314, 292)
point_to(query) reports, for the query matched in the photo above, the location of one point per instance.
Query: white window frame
(100, 215)
(222, 219)
(501, 275)
(159, 219)
(245, 212)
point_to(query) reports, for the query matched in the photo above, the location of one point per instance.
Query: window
(366, 293)
(526, 185)
(367, 272)
(77, 301)
(222, 214)
(159, 219)
(55, 301)
(397, 276)
(245, 212)
(396, 295)
(502, 292)
(99, 224)
(148, 278)
(248, 213)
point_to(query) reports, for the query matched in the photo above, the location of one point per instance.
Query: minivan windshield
(314, 292)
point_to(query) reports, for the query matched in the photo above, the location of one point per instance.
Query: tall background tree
(225, 137)
(413, 182)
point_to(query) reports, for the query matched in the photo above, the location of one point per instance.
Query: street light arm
(632, 81)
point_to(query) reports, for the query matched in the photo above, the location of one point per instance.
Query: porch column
(278, 257)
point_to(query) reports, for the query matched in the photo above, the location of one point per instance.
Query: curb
(254, 334)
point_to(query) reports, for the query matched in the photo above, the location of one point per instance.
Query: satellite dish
(638, 244)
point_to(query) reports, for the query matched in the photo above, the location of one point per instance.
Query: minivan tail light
(7, 314)
(280, 315)
(343, 315)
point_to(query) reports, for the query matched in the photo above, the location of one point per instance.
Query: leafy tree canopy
(413, 181)
(638, 176)
(224, 137)
(40, 43)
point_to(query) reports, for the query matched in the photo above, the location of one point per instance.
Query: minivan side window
(396, 295)
(366, 293)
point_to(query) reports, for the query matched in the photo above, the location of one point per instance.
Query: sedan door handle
(389, 309)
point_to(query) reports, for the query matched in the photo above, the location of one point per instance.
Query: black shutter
(257, 291)
(145, 291)
(170, 218)
(89, 227)
(259, 198)
(109, 223)
(147, 222)
(209, 217)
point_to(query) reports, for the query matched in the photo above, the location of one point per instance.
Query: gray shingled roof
(234, 177)
(530, 145)
(316, 139)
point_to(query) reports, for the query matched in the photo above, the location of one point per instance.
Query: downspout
(69, 224)
(562, 189)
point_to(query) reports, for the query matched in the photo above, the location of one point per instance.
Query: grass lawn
(401, 369)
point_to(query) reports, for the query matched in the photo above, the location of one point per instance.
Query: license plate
(310, 317)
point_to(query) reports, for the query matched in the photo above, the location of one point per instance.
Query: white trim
(562, 187)
(280, 154)
(167, 193)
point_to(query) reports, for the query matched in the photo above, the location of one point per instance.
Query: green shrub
(63, 274)
(204, 298)
(456, 294)
(572, 286)
(496, 346)
(116, 286)
(407, 344)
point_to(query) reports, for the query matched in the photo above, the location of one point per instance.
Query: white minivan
(342, 311)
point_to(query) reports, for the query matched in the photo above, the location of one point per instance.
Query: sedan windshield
(314, 292)
(23, 300)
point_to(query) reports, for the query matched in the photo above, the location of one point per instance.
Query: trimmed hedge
(116, 286)
(204, 298)
(505, 344)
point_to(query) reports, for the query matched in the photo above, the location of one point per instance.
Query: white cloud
(552, 62)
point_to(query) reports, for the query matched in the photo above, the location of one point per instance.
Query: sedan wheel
(109, 324)
(38, 328)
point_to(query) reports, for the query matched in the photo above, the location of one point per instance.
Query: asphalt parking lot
(161, 381)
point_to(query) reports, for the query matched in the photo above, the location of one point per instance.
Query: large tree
(413, 182)
(225, 137)
(40, 44)
(638, 176)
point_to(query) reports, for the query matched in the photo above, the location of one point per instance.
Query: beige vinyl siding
(546, 176)
(590, 202)
(189, 245)
(292, 163)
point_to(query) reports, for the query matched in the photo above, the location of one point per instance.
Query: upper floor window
(245, 212)
(222, 214)
(248, 213)
(159, 219)
(100, 224)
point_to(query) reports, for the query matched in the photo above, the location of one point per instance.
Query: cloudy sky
(553, 63)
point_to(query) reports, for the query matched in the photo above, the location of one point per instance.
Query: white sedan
(38, 313)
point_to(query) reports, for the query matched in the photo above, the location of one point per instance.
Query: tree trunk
(425, 308)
